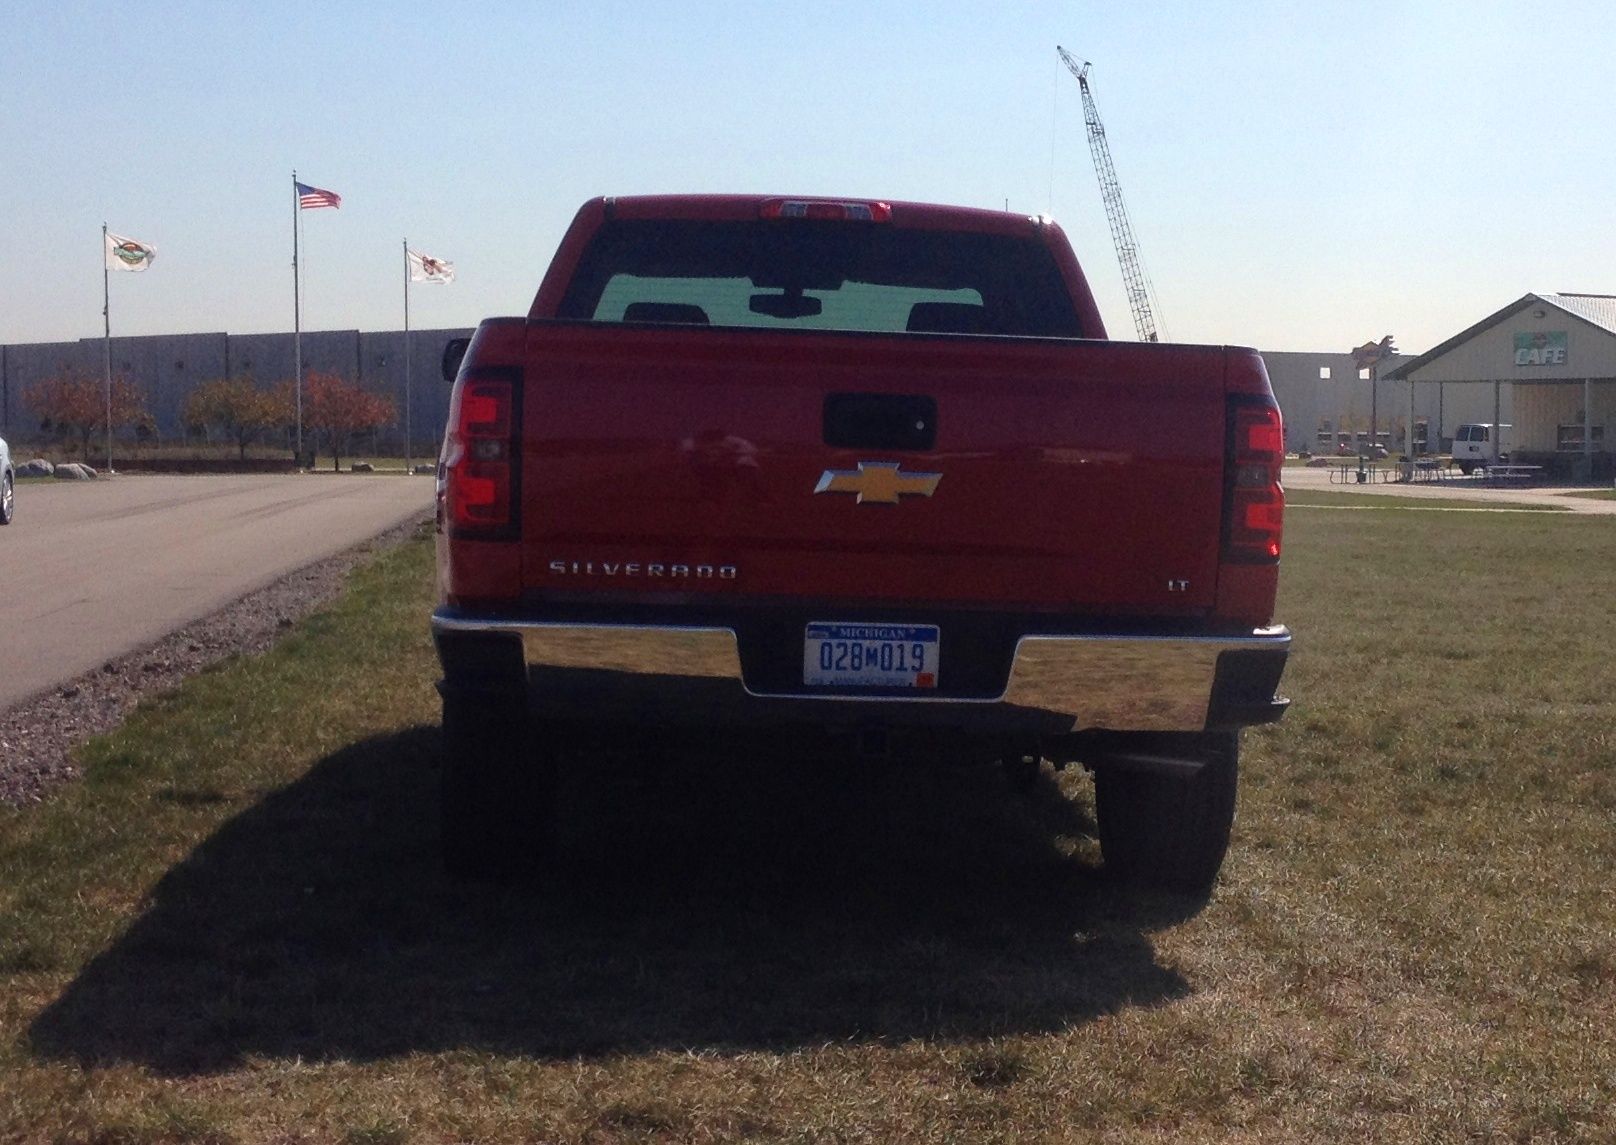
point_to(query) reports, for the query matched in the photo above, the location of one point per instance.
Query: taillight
(1255, 497)
(825, 209)
(480, 473)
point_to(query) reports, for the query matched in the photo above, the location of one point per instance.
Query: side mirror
(454, 352)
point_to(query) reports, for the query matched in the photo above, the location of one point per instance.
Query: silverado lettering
(634, 569)
(1094, 582)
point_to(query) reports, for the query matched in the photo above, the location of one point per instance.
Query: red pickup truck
(857, 474)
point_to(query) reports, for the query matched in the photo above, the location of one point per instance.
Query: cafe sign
(1544, 348)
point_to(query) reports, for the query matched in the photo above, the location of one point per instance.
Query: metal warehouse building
(167, 367)
(1545, 364)
(1555, 356)
(1331, 406)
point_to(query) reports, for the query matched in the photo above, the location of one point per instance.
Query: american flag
(310, 197)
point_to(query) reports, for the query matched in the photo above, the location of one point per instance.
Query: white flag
(425, 268)
(128, 254)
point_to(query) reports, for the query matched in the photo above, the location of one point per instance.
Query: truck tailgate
(1073, 476)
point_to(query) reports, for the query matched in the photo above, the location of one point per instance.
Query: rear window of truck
(805, 274)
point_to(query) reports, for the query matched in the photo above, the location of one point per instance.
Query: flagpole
(106, 345)
(297, 326)
(409, 469)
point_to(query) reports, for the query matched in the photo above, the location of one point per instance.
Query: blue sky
(1299, 176)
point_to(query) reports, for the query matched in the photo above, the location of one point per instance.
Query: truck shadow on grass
(699, 904)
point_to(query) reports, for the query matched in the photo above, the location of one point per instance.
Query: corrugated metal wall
(169, 367)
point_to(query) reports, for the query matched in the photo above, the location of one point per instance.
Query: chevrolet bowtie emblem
(878, 482)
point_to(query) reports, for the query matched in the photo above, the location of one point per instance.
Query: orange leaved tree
(72, 404)
(340, 411)
(238, 409)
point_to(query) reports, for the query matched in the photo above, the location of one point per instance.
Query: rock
(362, 467)
(75, 471)
(1321, 463)
(38, 467)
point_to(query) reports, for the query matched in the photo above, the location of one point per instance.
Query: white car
(8, 484)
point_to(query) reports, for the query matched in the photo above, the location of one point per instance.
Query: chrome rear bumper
(1080, 682)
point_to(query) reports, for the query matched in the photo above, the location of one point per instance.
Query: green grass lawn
(234, 929)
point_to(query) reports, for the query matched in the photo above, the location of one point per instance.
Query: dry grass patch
(235, 929)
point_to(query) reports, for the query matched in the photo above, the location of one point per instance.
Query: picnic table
(1508, 473)
(1355, 473)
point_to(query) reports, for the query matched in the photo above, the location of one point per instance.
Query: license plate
(847, 654)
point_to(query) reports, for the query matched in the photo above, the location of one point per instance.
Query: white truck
(1476, 446)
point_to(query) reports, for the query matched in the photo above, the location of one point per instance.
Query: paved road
(1463, 490)
(91, 570)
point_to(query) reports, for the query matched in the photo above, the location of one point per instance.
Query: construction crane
(1141, 295)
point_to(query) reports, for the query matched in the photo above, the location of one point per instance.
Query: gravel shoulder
(38, 737)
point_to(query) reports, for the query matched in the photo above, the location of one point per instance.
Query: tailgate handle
(880, 421)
